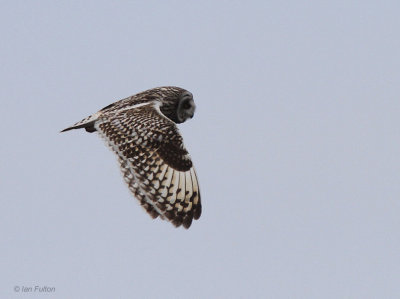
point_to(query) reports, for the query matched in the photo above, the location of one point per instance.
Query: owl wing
(154, 162)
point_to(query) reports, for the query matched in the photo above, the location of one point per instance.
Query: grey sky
(295, 140)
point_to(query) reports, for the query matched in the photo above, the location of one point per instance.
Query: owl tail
(86, 123)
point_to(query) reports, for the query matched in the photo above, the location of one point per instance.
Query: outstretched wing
(154, 162)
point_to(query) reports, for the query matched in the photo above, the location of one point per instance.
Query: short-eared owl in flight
(142, 131)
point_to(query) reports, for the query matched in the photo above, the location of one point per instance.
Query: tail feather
(86, 123)
(89, 127)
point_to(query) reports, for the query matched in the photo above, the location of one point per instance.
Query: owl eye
(186, 105)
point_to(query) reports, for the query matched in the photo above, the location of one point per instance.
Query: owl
(141, 130)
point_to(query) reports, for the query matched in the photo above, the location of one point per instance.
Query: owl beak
(192, 112)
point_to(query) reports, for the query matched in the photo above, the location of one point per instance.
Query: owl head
(175, 103)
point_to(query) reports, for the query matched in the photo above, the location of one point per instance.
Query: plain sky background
(295, 140)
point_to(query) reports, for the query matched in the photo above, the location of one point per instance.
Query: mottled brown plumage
(155, 165)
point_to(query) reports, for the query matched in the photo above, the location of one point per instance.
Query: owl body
(157, 168)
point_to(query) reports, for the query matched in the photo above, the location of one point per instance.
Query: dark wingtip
(197, 212)
(187, 220)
